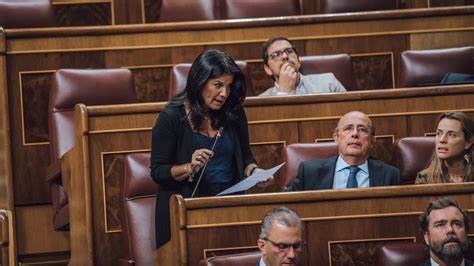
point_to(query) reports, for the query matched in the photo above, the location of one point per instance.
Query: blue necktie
(352, 180)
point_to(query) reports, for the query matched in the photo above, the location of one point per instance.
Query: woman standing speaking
(205, 121)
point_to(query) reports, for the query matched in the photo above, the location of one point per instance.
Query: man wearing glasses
(352, 168)
(280, 240)
(281, 61)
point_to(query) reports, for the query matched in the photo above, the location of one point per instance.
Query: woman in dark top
(452, 159)
(210, 107)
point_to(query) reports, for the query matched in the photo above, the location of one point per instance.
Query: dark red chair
(296, 153)
(412, 154)
(402, 254)
(339, 64)
(186, 10)
(241, 259)
(179, 76)
(430, 66)
(236, 9)
(342, 6)
(26, 14)
(137, 211)
(70, 87)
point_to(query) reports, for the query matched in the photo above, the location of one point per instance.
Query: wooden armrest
(53, 171)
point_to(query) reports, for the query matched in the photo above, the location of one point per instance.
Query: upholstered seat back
(26, 14)
(86, 86)
(402, 254)
(241, 259)
(341, 6)
(137, 206)
(430, 66)
(186, 10)
(179, 76)
(339, 64)
(412, 154)
(236, 9)
(70, 87)
(294, 154)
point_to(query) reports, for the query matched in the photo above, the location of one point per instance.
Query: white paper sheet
(252, 180)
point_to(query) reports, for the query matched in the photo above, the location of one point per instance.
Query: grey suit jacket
(319, 174)
(314, 84)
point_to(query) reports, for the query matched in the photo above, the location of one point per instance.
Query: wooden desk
(342, 227)
(104, 134)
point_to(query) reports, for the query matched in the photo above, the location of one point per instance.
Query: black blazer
(172, 144)
(319, 174)
(466, 263)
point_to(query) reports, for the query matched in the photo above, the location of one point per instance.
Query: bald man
(352, 168)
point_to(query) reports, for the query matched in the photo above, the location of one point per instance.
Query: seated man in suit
(281, 61)
(445, 226)
(355, 137)
(280, 239)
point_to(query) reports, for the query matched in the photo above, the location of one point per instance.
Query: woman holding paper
(205, 121)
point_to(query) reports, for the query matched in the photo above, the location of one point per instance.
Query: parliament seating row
(40, 13)
(417, 68)
(411, 154)
(179, 10)
(99, 87)
(138, 190)
(339, 64)
(390, 254)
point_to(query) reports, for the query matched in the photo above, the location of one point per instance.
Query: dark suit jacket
(466, 262)
(319, 174)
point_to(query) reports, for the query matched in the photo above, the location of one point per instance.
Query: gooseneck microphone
(218, 135)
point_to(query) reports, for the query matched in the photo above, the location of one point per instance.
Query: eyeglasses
(360, 130)
(277, 54)
(298, 246)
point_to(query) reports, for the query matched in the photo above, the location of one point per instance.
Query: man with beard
(280, 240)
(352, 168)
(445, 226)
(281, 62)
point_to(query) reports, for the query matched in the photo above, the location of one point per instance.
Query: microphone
(218, 135)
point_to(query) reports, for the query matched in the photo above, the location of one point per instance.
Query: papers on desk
(252, 180)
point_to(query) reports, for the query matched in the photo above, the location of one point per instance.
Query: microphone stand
(218, 135)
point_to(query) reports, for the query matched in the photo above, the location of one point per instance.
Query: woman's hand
(199, 159)
(266, 183)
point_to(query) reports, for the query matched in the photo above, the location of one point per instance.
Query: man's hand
(288, 78)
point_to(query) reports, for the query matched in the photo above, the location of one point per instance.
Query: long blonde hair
(437, 171)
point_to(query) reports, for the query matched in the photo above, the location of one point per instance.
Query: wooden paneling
(33, 226)
(152, 9)
(84, 14)
(128, 12)
(433, 41)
